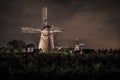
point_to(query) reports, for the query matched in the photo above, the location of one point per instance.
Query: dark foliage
(33, 66)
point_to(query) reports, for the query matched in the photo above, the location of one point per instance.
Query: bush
(60, 66)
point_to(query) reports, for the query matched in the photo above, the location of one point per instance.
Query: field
(57, 66)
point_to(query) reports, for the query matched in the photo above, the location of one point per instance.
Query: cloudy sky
(94, 22)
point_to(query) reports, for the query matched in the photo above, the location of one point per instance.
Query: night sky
(94, 22)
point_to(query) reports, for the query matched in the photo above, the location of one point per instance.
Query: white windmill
(46, 42)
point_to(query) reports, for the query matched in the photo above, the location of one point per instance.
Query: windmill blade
(30, 30)
(57, 31)
(81, 44)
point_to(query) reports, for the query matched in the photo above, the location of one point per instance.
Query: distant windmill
(46, 42)
(78, 45)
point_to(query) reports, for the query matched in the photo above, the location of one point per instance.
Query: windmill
(46, 42)
(78, 45)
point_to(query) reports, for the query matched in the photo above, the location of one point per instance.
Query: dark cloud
(94, 22)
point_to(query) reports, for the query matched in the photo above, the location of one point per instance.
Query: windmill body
(46, 42)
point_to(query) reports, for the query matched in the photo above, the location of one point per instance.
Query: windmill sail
(44, 16)
(30, 30)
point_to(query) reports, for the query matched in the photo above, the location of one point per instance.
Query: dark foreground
(59, 66)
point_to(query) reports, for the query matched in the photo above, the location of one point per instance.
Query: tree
(16, 45)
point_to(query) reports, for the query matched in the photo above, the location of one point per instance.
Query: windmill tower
(46, 42)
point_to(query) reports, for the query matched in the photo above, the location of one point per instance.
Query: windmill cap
(46, 27)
